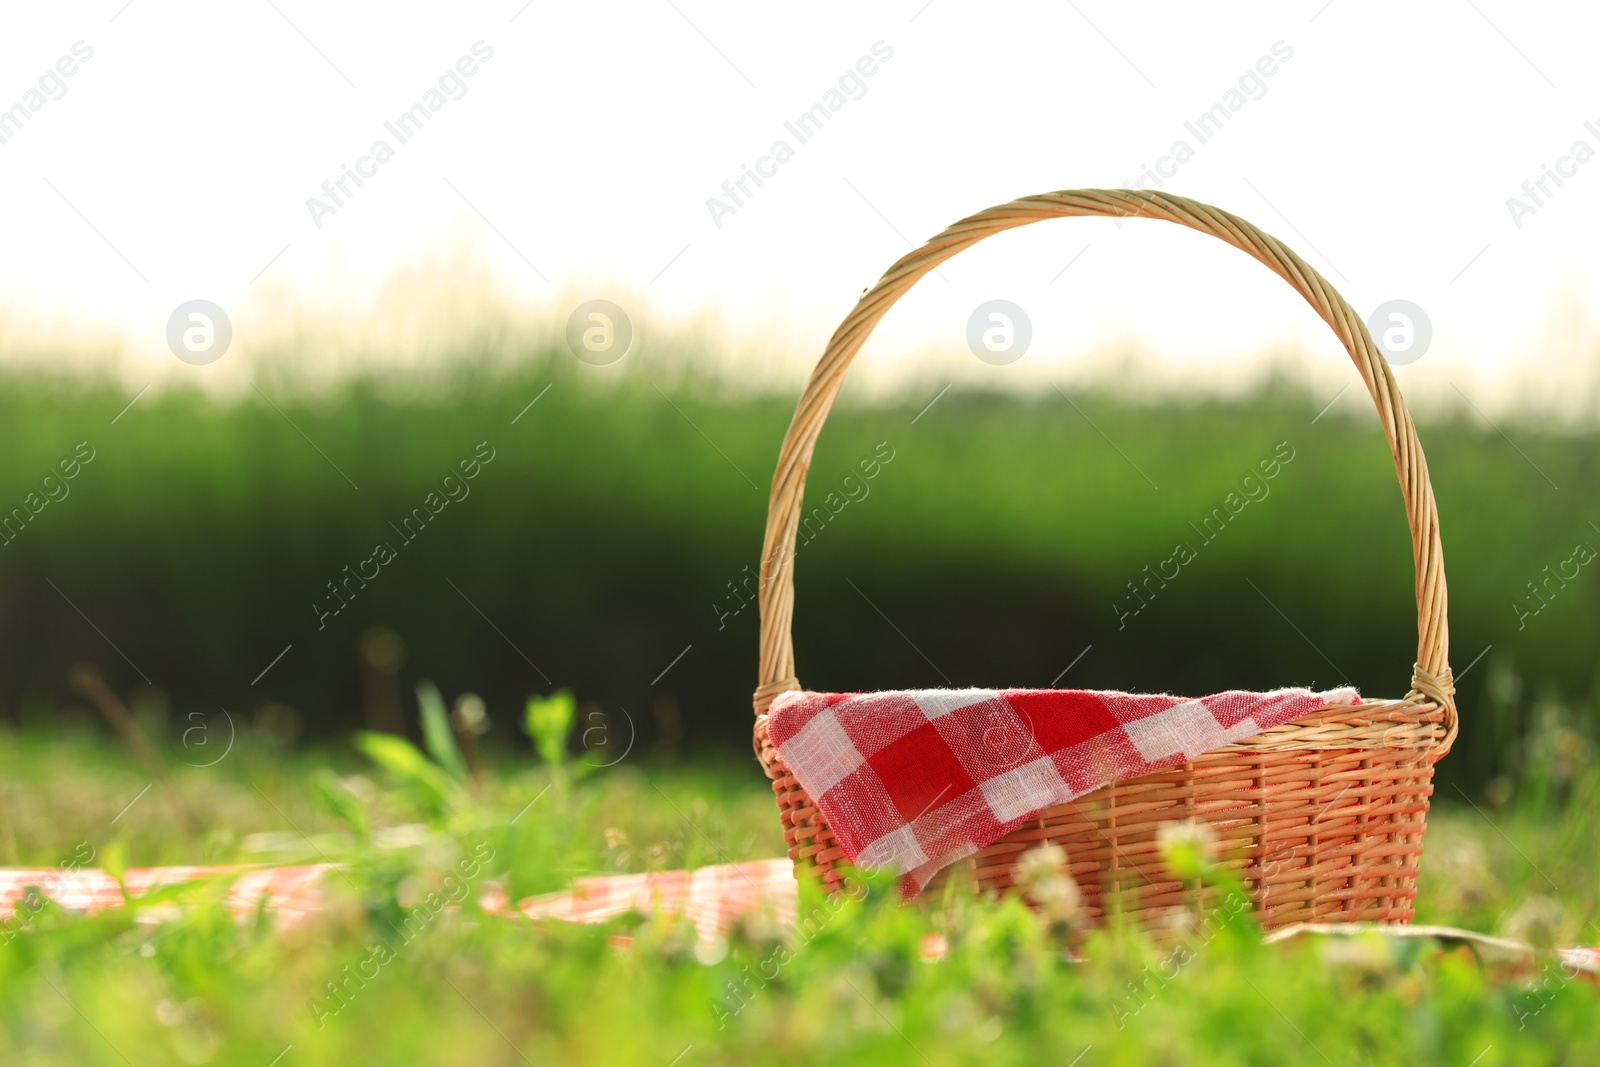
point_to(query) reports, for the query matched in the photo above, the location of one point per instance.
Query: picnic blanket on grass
(709, 897)
(285, 893)
(919, 779)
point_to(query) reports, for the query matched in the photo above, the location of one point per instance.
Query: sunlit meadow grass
(854, 983)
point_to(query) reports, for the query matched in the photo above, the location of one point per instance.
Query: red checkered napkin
(917, 780)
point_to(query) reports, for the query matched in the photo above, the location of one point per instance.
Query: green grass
(850, 985)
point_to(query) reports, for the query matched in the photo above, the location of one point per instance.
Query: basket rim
(1392, 722)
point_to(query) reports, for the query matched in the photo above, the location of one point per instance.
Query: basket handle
(1431, 680)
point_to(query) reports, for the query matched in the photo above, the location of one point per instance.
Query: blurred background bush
(610, 547)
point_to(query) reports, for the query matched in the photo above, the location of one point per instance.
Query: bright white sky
(578, 164)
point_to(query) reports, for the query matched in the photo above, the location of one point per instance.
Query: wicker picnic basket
(1322, 817)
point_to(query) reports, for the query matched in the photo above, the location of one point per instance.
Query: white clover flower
(1041, 873)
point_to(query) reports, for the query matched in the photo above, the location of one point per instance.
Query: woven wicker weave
(1323, 817)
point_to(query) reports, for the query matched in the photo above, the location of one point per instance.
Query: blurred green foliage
(610, 546)
(549, 722)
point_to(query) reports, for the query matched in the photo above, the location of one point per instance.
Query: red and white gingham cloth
(916, 780)
(709, 897)
(288, 894)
